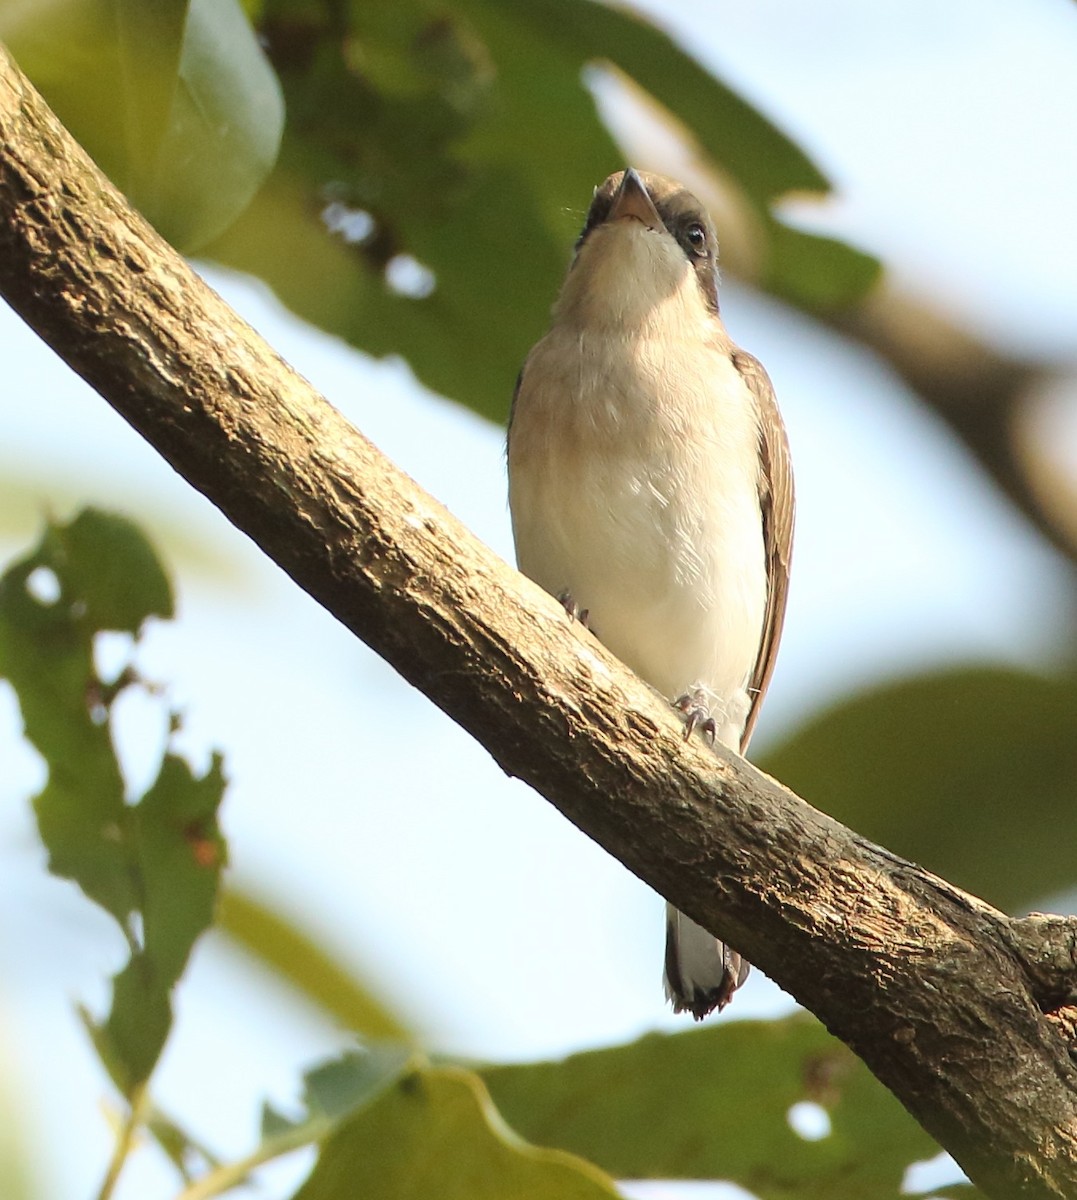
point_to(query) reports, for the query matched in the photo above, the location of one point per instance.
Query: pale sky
(505, 932)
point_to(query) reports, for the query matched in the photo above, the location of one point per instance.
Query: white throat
(634, 471)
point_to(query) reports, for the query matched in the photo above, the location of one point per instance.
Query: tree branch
(941, 995)
(979, 392)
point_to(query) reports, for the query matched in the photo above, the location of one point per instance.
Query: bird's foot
(583, 615)
(697, 714)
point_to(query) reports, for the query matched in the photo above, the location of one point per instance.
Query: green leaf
(333, 1093)
(750, 152)
(383, 148)
(177, 1144)
(971, 772)
(765, 163)
(813, 272)
(465, 137)
(335, 1088)
(281, 944)
(108, 564)
(176, 854)
(223, 132)
(103, 575)
(435, 1133)
(175, 101)
(713, 1103)
(154, 866)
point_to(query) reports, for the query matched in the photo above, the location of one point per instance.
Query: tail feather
(701, 973)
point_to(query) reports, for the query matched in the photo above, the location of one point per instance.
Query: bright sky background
(949, 130)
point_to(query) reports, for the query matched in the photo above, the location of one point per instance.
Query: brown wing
(777, 503)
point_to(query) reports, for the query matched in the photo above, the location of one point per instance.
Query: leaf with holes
(333, 1091)
(154, 865)
(715, 1103)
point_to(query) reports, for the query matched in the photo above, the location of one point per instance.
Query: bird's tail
(701, 972)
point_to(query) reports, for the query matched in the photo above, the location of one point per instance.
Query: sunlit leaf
(971, 772)
(174, 100)
(282, 944)
(223, 131)
(153, 865)
(17, 1136)
(714, 1103)
(435, 1133)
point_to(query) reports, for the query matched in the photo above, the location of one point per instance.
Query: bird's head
(647, 242)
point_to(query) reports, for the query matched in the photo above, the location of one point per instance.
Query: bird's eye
(696, 237)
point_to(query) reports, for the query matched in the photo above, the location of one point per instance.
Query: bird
(651, 488)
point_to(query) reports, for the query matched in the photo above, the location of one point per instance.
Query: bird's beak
(632, 200)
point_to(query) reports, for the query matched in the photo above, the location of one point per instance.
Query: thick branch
(929, 985)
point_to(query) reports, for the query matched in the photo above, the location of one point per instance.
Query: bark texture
(943, 997)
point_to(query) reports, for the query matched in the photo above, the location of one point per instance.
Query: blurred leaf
(713, 1103)
(17, 1174)
(764, 164)
(333, 1093)
(155, 865)
(174, 100)
(46, 651)
(814, 272)
(109, 572)
(971, 772)
(175, 854)
(381, 167)
(435, 1133)
(463, 137)
(190, 546)
(223, 132)
(336, 1089)
(177, 1143)
(281, 944)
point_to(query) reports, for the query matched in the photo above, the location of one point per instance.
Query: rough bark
(943, 996)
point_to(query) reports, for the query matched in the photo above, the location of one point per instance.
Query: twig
(232, 1174)
(124, 1141)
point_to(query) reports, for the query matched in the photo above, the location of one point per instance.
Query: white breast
(634, 471)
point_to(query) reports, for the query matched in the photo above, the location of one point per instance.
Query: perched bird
(651, 489)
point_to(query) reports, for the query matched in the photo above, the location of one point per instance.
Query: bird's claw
(583, 615)
(696, 716)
